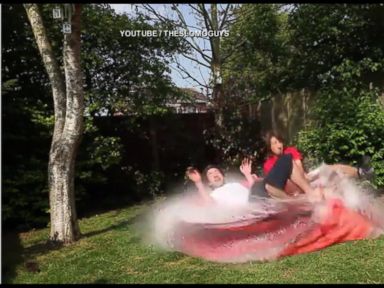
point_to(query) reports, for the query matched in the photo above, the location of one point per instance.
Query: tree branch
(195, 47)
(184, 70)
(192, 42)
(158, 16)
(197, 61)
(196, 10)
(221, 25)
(207, 19)
(180, 16)
(202, 77)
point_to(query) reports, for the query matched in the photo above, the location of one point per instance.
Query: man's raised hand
(193, 174)
(246, 166)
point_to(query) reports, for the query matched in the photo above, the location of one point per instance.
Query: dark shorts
(258, 190)
(277, 177)
(280, 172)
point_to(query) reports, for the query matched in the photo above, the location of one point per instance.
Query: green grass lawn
(111, 251)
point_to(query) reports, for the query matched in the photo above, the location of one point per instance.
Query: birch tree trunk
(68, 106)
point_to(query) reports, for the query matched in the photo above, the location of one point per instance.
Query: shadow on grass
(47, 246)
(42, 248)
(13, 253)
(11, 256)
(136, 220)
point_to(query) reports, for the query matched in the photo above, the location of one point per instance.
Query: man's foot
(365, 170)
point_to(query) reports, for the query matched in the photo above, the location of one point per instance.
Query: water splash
(267, 228)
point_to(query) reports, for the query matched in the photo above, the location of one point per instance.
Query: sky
(199, 72)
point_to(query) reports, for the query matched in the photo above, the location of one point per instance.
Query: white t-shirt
(231, 194)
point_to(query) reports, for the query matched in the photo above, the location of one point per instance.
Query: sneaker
(365, 170)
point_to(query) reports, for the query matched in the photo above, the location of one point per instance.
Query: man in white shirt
(223, 193)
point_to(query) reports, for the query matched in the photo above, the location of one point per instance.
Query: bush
(347, 123)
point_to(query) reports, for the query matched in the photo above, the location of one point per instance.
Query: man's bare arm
(195, 177)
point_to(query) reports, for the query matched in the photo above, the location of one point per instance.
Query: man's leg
(363, 171)
(350, 171)
(345, 169)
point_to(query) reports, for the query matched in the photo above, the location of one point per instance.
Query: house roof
(195, 95)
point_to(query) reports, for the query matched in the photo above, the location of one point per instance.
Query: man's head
(214, 176)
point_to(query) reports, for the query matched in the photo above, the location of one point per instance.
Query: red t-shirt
(270, 162)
